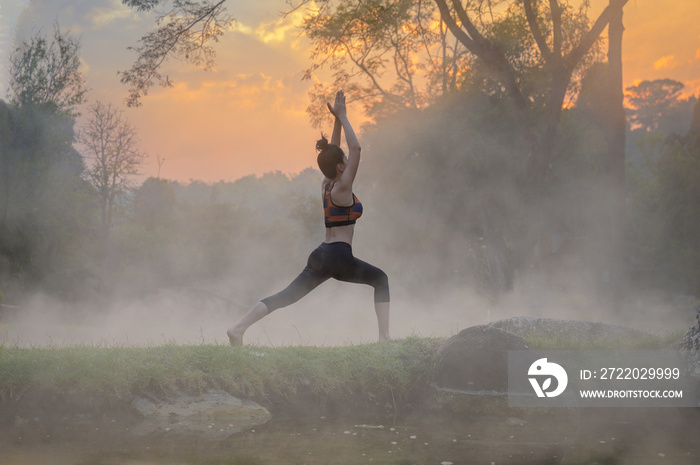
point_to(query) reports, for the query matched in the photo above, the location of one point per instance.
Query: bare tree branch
(488, 53)
(110, 146)
(594, 33)
(185, 32)
(536, 31)
(556, 27)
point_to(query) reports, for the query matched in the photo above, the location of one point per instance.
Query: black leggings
(334, 260)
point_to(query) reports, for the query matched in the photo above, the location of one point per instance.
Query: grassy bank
(112, 376)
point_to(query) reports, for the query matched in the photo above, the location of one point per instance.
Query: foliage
(185, 32)
(664, 202)
(393, 57)
(559, 57)
(45, 214)
(383, 53)
(651, 101)
(47, 72)
(155, 204)
(449, 166)
(678, 173)
(45, 210)
(220, 236)
(513, 35)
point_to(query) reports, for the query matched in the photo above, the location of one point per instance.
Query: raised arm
(340, 112)
(337, 129)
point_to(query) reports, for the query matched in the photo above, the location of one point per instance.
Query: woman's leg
(350, 269)
(307, 280)
(382, 310)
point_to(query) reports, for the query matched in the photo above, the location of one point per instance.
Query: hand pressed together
(338, 109)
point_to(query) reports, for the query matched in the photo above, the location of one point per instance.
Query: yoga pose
(333, 258)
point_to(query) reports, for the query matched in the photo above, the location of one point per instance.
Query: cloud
(238, 26)
(77, 15)
(102, 16)
(697, 54)
(667, 62)
(252, 92)
(281, 30)
(84, 66)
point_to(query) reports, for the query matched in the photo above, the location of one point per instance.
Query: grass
(115, 374)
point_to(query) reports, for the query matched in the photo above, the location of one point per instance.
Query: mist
(445, 217)
(451, 215)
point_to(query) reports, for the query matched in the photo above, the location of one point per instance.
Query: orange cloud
(260, 91)
(667, 62)
(281, 30)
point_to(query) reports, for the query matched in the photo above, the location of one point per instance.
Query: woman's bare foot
(235, 338)
(235, 333)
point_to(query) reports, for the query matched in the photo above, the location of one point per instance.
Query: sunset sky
(248, 115)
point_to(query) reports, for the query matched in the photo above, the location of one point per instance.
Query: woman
(333, 258)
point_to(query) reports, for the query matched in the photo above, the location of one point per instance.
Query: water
(576, 436)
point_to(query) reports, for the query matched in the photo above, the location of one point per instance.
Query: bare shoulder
(342, 192)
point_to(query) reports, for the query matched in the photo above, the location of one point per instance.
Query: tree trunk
(617, 124)
(543, 149)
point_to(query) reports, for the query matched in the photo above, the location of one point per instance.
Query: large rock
(470, 372)
(476, 359)
(213, 413)
(691, 339)
(690, 353)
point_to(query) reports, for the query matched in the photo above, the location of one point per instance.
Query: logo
(545, 371)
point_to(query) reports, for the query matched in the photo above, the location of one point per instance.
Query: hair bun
(322, 143)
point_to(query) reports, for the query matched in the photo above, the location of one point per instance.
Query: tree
(47, 72)
(533, 53)
(616, 112)
(154, 204)
(561, 52)
(43, 199)
(111, 148)
(384, 27)
(665, 207)
(389, 54)
(651, 100)
(186, 32)
(44, 204)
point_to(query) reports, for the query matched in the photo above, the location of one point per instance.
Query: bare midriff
(340, 234)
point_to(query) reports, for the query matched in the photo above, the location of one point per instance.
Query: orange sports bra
(335, 215)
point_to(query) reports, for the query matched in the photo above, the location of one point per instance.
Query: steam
(236, 243)
(442, 212)
(333, 314)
